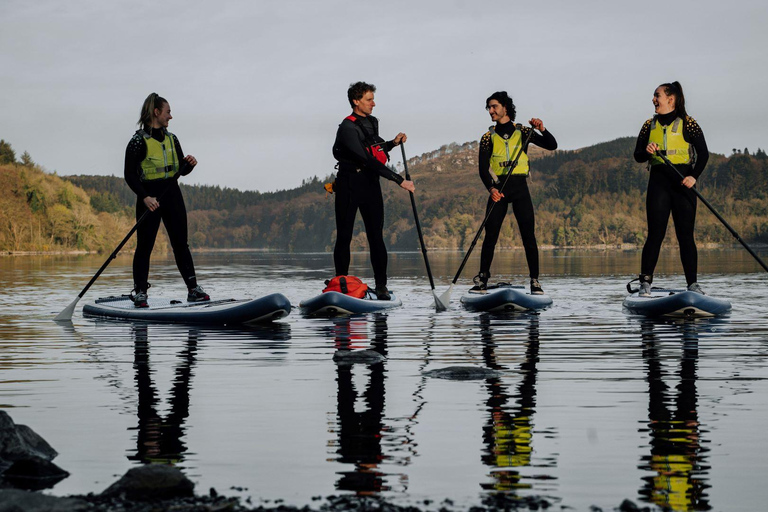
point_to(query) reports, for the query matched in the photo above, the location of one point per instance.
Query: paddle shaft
(716, 214)
(416, 218)
(125, 240)
(487, 215)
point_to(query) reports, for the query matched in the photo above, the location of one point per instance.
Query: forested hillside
(592, 196)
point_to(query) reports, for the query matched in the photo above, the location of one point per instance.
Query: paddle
(439, 306)
(66, 313)
(445, 298)
(712, 209)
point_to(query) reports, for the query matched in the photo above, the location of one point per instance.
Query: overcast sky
(258, 88)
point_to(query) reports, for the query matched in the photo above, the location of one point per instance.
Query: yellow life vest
(670, 139)
(161, 161)
(505, 151)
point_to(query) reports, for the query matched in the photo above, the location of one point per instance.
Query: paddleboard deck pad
(213, 312)
(676, 303)
(504, 297)
(335, 303)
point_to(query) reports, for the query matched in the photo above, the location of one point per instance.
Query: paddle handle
(716, 213)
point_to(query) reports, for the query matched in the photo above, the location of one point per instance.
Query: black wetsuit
(515, 192)
(172, 212)
(357, 187)
(667, 195)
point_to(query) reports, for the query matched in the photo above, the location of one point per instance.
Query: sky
(257, 88)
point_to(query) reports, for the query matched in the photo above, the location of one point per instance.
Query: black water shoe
(481, 283)
(382, 293)
(536, 288)
(197, 294)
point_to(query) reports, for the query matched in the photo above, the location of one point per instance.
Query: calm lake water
(592, 405)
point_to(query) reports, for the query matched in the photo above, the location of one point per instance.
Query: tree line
(594, 196)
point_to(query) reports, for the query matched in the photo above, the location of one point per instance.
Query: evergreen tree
(7, 154)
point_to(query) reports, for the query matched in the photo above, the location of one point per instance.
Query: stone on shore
(152, 482)
(15, 500)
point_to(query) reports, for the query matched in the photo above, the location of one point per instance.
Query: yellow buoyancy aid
(505, 151)
(161, 161)
(670, 139)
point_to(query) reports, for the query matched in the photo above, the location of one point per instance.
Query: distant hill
(586, 197)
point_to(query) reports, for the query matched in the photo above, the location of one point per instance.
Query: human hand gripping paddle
(439, 306)
(445, 298)
(712, 209)
(66, 313)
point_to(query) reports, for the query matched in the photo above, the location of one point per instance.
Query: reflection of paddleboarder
(677, 453)
(361, 432)
(160, 439)
(153, 159)
(508, 434)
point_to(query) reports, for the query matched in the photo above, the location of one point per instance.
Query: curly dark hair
(503, 98)
(357, 90)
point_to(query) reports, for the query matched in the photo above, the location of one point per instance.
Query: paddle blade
(439, 305)
(442, 301)
(67, 312)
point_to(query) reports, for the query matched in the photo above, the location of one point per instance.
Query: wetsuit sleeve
(641, 155)
(134, 155)
(544, 140)
(348, 138)
(695, 137)
(484, 161)
(184, 167)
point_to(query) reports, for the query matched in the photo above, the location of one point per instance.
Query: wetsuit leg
(522, 207)
(345, 207)
(372, 211)
(174, 214)
(145, 242)
(684, 216)
(658, 206)
(492, 230)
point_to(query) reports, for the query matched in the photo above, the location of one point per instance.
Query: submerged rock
(34, 474)
(358, 356)
(462, 373)
(152, 482)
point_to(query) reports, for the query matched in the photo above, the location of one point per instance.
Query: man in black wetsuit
(153, 158)
(362, 155)
(498, 149)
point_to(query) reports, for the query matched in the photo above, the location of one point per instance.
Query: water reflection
(362, 432)
(159, 437)
(508, 433)
(678, 457)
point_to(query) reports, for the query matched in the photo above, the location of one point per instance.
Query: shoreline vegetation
(591, 198)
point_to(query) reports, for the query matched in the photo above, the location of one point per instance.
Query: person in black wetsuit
(678, 136)
(153, 159)
(362, 155)
(498, 149)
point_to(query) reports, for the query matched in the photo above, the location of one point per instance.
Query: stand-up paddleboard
(213, 312)
(335, 303)
(676, 303)
(504, 297)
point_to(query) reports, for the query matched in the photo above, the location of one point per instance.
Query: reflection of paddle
(445, 298)
(439, 306)
(66, 313)
(712, 209)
